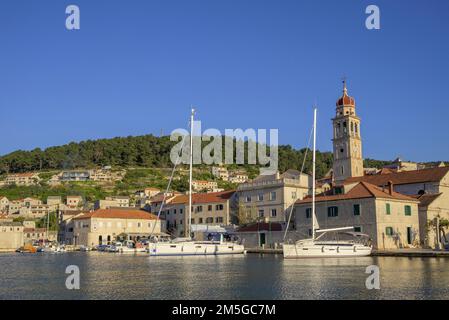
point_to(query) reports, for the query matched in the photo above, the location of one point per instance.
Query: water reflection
(110, 276)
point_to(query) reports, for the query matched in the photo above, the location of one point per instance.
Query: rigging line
(302, 169)
(169, 184)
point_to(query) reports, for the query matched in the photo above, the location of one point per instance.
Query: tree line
(140, 151)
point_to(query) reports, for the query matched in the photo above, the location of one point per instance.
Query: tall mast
(189, 223)
(313, 173)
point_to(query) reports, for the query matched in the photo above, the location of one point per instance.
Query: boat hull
(317, 250)
(194, 249)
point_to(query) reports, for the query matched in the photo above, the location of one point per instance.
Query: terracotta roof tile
(213, 197)
(360, 191)
(118, 214)
(404, 177)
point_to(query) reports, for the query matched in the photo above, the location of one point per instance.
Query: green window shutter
(408, 210)
(388, 208)
(357, 209)
(389, 231)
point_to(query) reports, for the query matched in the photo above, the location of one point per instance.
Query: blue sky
(135, 67)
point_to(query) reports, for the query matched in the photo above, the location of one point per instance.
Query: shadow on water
(113, 276)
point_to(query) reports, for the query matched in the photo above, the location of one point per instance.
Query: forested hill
(140, 151)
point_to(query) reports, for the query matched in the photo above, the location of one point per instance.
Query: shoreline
(417, 253)
(410, 253)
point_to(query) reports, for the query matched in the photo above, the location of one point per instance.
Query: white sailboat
(187, 246)
(316, 248)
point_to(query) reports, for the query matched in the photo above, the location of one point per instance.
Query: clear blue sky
(135, 67)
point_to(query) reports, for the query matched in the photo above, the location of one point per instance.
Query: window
(219, 219)
(248, 199)
(273, 195)
(219, 207)
(273, 212)
(174, 211)
(388, 208)
(357, 209)
(358, 229)
(261, 213)
(180, 211)
(200, 220)
(139, 225)
(332, 212)
(260, 197)
(209, 220)
(308, 213)
(199, 209)
(408, 210)
(389, 231)
(180, 221)
(209, 207)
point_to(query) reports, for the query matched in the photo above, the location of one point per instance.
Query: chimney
(390, 187)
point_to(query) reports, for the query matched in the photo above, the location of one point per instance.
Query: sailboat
(316, 248)
(187, 246)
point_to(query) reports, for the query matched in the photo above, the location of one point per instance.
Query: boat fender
(322, 249)
(338, 249)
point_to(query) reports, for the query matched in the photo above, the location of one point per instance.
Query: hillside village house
(270, 197)
(214, 209)
(104, 226)
(23, 179)
(54, 201)
(98, 175)
(15, 206)
(150, 192)
(4, 203)
(202, 185)
(74, 203)
(238, 178)
(11, 236)
(112, 202)
(389, 218)
(220, 173)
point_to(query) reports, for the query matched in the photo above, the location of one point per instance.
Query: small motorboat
(28, 248)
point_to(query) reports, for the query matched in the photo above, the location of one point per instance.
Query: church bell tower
(347, 142)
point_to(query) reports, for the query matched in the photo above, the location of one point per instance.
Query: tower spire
(345, 89)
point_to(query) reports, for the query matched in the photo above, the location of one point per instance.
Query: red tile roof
(26, 174)
(426, 199)
(404, 177)
(213, 197)
(118, 214)
(360, 191)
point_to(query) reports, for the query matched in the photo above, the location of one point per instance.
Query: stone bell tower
(347, 142)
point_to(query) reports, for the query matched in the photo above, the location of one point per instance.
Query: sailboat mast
(313, 174)
(189, 223)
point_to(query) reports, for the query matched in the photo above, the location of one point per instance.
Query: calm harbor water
(113, 276)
